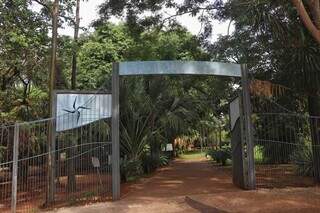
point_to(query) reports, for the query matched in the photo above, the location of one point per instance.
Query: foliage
(109, 43)
(134, 135)
(258, 154)
(130, 168)
(155, 110)
(23, 49)
(220, 155)
(303, 160)
(151, 162)
(192, 155)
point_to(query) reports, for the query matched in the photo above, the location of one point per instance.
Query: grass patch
(258, 154)
(189, 155)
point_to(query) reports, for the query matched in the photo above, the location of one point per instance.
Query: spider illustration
(76, 109)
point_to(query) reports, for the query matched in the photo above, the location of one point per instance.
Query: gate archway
(244, 169)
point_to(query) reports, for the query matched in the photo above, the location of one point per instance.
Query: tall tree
(312, 23)
(75, 47)
(54, 44)
(23, 50)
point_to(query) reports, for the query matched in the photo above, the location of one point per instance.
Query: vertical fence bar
(115, 133)
(248, 128)
(15, 168)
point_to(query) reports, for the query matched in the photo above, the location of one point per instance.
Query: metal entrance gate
(247, 177)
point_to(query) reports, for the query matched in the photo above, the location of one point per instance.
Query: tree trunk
(220, 137)
(54, 44)
(75, 47)
(314, 110)
(71, 169)
(52, 81)
(71, 185)
(314, 99)
(310, 24)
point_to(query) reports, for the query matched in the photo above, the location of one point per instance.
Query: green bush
(130, 168)
(258, 154)
(151, 163)
(302, 158)
(221, 155)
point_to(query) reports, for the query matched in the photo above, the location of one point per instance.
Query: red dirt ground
(199, 186)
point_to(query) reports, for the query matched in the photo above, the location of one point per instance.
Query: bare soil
(198, 186)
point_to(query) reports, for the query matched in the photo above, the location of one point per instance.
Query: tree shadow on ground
(203, 208)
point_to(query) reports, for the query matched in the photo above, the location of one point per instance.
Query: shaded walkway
(185, 177)
(198, 186)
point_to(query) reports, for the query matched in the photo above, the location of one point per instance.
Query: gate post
(248, 129)
(239, 172)
(115, 133)
(15, 169)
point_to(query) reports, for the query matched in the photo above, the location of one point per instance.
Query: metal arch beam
(179, 68)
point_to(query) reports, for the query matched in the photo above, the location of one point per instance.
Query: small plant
(164, 160)
(258, 154)
(151, 163)
(302, 158)
(130, 168)
(89, 194)
(221, 155)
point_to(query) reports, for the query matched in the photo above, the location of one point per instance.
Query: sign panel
(179, 68)
(75, 110)
(169, 147)
(95, 162)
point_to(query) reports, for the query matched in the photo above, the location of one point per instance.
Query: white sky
(89, 12)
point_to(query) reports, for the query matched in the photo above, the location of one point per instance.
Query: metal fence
(73, 166)
(287, 146)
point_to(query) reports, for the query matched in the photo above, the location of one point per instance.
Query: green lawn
(192, 155)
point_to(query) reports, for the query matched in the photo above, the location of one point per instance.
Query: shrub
(130, 168)
(220, 155)
(302, 158)
(151, 163)
(258, 154)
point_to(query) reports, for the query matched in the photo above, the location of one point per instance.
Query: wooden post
(251, 177)
(115, 133)
(15, 169)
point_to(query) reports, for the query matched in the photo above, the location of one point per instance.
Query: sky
(89, 13)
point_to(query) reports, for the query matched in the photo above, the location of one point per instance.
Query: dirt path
(197, 186)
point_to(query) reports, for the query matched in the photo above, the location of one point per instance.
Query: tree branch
(305, 18)
(42, 4)
(46, 5)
